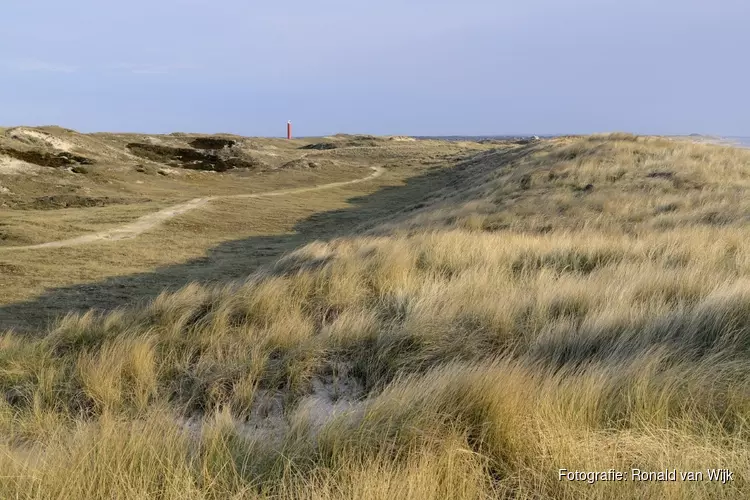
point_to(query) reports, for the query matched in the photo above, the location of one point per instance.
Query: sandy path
(150, 221)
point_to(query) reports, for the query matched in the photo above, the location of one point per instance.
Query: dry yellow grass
(582, 303)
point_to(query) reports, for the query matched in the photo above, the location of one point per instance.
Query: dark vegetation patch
(583, 189)
(320, 146)
(348, 141)
(364, 141)
(666, 208)
(6, 236)
(9, 269)
(58, 201)
(356, 137)
(212, 143)
(525, 141)
(54, 160)
(660, 175)
(194, 159)
(716, 218)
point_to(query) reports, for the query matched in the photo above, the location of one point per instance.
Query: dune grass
(582, 303)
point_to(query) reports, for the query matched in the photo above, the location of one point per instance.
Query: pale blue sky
(420, 67)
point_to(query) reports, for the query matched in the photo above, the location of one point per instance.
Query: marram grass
(579, 304)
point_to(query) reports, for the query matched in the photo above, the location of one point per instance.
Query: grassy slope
(580, 303)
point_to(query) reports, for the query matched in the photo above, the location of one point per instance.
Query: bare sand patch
(12, 166)
(36, 135)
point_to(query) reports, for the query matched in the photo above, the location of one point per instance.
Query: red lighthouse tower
(289, 130)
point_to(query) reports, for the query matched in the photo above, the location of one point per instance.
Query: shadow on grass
(229, 260)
